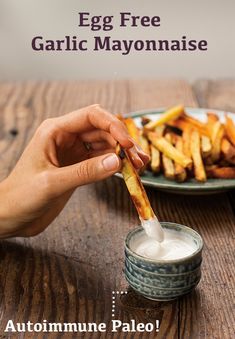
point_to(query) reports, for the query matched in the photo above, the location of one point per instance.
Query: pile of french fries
(182, 147)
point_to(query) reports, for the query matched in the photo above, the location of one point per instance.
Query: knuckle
(85, 172)
(47, 128)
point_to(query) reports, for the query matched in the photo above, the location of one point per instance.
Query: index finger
(90, 117)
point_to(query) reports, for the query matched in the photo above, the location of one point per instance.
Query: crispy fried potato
(168, 167)
(217, 134)
(228, 151)
(185, 122)
(212, 117)
(230, 129)
(159, 130)
(179, 123)
(132, 129)
(169, 150)
(155, 163)
(220, 172)
(186, 141)
(180, 172)
(170, 114)
(196, 124)
(167, 163)
(135, 186)
(199, 170)
(144, 144)
(206, 146)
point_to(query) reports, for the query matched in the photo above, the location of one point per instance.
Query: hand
(64, 153)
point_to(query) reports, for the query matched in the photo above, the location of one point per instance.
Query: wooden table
(68, 273)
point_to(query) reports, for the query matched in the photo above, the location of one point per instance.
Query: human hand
(57, 161)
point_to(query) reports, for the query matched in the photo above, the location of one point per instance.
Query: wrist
(5, 209)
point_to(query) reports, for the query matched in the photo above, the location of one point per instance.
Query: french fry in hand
(155, 162)
(170, 114)
(206, 146)
(215, 171)
(132, 129)
(199, 170)
(135, 186)
(180, 172)
(230, 129)
(228, 151)
(169, 150)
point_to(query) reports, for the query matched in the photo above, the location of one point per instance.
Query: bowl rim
(164, 262)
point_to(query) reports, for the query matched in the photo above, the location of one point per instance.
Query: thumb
(86, 172)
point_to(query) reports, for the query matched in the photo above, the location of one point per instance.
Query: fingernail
(140, 163)
(111, 163)
(130, 139)
(140, 149)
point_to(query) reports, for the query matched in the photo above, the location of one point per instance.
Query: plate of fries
(192, 150)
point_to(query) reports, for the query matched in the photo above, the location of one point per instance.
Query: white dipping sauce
(153, 229)
(174, 246)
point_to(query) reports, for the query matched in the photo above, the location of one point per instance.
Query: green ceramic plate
(191, 186)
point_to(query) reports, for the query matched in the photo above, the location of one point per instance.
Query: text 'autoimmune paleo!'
(73, 43)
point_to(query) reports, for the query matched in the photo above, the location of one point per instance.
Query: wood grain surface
(68, 273)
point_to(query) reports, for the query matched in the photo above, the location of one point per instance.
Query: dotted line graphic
(114, 295)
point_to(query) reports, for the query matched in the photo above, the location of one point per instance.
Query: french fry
(167, 163)
(220, 172)
(228, 151)
(168, 167)
(206, 146)
(212, 117)
(144, 144)
(169, 150)
(196, 124)
(217, 134)
(185, 122)
(180, 172)
(199, 170)
(135, 186)
(186, 141)
(170, 114)
(132, 129)
(159, 130)
(179, 123)
(230, 129)
(155, 162)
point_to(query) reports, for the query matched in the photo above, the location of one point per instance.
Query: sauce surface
(175, 245)
(153, 229)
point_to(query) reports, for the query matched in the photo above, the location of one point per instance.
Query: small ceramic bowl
(163, 279)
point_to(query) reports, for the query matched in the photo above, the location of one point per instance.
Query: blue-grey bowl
(163, 279)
